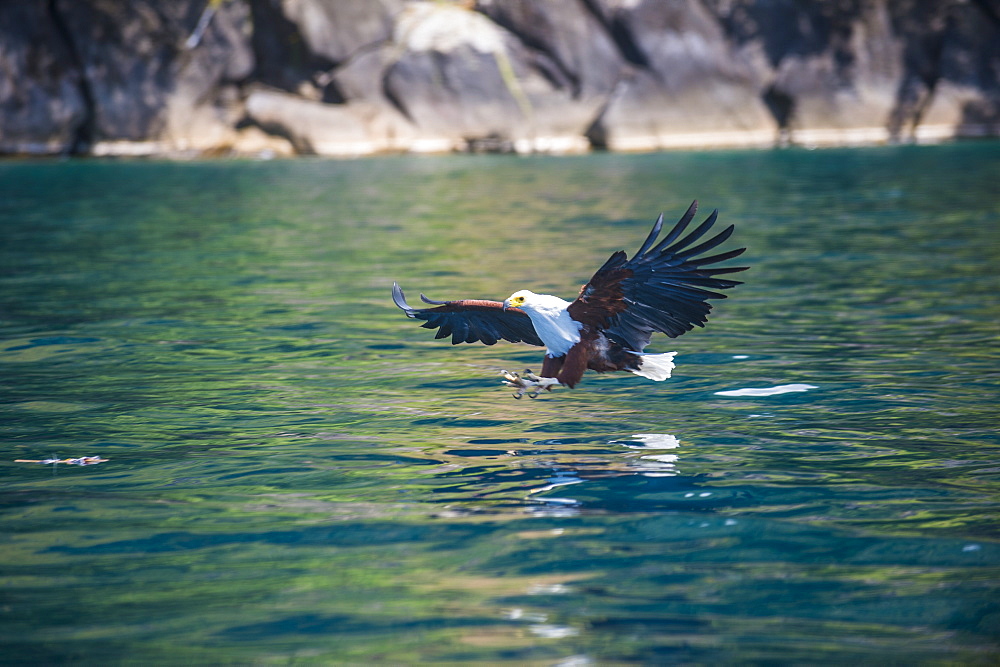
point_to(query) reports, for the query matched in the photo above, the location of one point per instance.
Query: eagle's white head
(550, 318)
(530, 302)
(519, 299)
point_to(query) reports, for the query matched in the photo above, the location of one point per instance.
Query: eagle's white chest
(552, 323)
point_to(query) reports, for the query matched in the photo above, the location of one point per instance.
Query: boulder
(315, 128)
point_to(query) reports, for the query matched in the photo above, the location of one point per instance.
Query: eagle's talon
(529, 383)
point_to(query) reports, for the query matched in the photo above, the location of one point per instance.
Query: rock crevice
(82, 137)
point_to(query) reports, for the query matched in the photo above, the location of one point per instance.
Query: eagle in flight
(664, 287)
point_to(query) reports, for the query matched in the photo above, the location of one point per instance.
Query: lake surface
(298, 474)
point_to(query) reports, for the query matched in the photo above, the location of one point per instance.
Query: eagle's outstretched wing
(662, 288)
(471, 320)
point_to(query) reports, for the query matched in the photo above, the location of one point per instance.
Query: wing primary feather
(721, 257)
(651, 239)
(729, 269)
(679, 227)
(707, 245)
(697, 233)
(400, 299)
(433, 302)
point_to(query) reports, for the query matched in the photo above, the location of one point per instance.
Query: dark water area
(298, 474)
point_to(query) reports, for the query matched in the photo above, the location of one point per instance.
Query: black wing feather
(676, 231)
(662, 288)
(657, 226)
(690, 238)
(471, 320)
(716, 240)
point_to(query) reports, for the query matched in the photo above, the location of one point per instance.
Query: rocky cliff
(348, 77)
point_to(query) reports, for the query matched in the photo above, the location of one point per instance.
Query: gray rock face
(42, 103)
(831, 73)
(360, 76)
(460, 78)
(965, 93)
(565, 41)
(338, 30)
(145, 85)
(689, 86)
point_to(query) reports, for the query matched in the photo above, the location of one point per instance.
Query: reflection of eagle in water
(662, 288)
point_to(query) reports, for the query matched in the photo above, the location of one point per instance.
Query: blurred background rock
(353, 77)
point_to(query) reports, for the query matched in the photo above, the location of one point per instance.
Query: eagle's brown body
(594, 352)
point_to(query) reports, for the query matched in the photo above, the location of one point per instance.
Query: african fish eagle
(663, 288)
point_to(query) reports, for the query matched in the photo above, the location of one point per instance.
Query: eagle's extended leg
(532, 384)
(573, 365)
(529, 383)
(552, 365)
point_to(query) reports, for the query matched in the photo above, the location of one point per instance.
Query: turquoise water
(298, 474)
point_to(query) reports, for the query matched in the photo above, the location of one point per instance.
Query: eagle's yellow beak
(513, 302)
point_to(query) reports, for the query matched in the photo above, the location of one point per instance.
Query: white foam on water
(767, 391)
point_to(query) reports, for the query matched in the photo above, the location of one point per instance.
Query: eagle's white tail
(656, 366)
